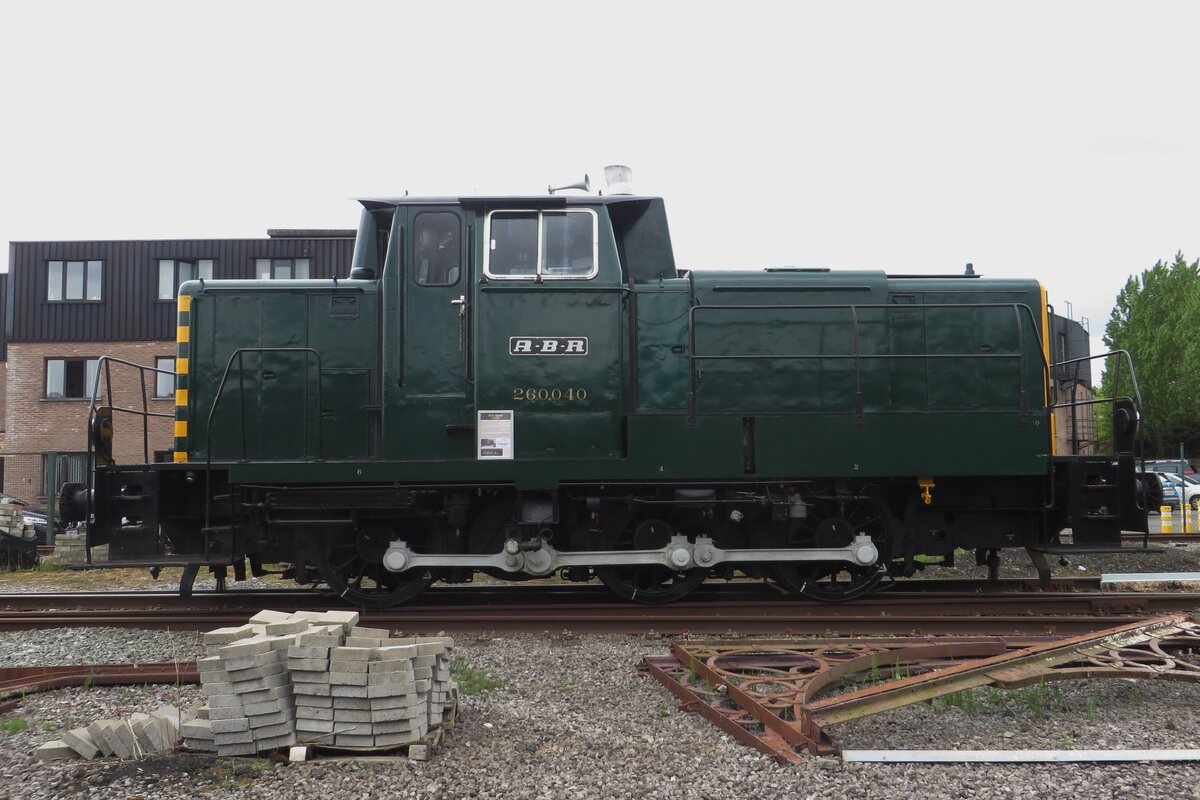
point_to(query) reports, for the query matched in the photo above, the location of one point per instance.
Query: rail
(1021, 313)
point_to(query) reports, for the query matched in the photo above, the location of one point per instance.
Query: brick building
(1074, 425)
(63, 305)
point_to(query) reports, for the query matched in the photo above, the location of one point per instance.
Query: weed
(1040, 699)
(87, 683)
(566, 686)
(471, 680)
(663, 711)
(51, 565)
(49, 726)
(14, 725)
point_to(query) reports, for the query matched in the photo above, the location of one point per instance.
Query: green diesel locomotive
(530, 387)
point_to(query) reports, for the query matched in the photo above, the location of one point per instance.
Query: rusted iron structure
(779, 696)
(18, 681)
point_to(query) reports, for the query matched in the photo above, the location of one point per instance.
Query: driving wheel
(834, 522)
(647, 583)
(352, 563)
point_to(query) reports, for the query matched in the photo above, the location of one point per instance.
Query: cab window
(541, 244)
(436, 251)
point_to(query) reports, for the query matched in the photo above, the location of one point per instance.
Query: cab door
(438, 419)
(549, 340)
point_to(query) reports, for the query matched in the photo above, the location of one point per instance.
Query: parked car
(38, 517)
(1191, 489)
(1170, 489)
(1173, 466)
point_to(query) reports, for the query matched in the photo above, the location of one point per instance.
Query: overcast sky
(1059, 141)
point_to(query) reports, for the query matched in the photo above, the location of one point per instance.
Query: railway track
(744, 610)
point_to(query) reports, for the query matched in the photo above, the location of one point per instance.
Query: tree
(1157, 320)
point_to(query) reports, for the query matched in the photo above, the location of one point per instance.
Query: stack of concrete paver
(13, 522)
(71, 549)
(318, 678)
(285, 679)
(132, 737)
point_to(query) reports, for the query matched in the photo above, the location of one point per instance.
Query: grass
(471, 680)
(14, 725)
(1037, 700)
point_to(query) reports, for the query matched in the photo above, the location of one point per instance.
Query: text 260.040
(549, 395)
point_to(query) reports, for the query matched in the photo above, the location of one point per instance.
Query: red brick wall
(35, 425)
(3, 394)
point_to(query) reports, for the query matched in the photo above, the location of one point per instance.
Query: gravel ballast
(573, 720)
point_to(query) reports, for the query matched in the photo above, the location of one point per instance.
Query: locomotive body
(529, 386)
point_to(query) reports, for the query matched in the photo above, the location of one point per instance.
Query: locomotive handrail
(104, 367)
(238, 355)
(1123, 356)
(1021, 310)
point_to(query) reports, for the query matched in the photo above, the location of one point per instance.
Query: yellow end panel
(180, 428)
(185, 302)
(181, 397)
(180, 458)
(182, 334)
(181, 366)
(1046, 338)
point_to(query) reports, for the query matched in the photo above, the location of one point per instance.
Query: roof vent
(619, 179)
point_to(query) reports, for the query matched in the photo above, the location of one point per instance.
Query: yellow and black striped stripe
(183, 350)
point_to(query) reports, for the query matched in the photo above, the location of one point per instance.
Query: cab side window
(541, 244)
(437, 251)
(567, 244)
(514, 247)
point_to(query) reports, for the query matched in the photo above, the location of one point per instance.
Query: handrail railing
(1021, 312)
(104, 368)
(1123, 357)
(220, 393)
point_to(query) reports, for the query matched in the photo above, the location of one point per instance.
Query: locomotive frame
(529, 386)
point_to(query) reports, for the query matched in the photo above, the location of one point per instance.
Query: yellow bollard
(1166, 518)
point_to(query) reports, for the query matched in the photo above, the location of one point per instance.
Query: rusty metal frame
(16, 681)
(779, 695)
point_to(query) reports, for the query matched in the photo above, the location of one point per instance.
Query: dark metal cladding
(129, 308)
(4, 316)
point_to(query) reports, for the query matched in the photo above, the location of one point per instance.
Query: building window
(281, 269)
(74, 280)
(173, 272)
(67, 468)
(437, 255)
(164, 380)
(71, 378)
(541, 244)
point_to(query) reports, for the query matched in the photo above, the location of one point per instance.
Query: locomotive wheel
(487, 535)
(834, 523)
(643, 583)
(352, 565)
